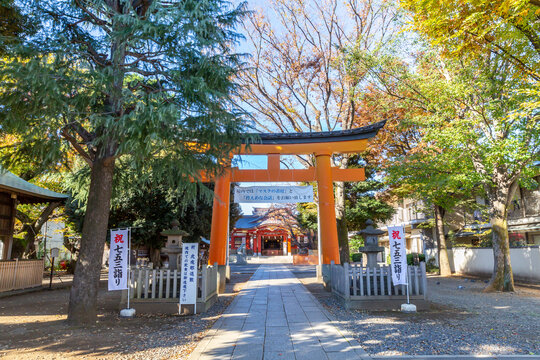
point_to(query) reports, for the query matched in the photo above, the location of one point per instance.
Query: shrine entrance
(272, 245)
(273, 230)
(321, 145)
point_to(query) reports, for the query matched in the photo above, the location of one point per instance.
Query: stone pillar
(284, 245)
(227, 274)
(3, 249)
(220, 221)
(221, 278)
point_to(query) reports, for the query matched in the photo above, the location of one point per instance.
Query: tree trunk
(444, 263)
(502, 278)
(32, 228)
(83, 296)
(342, 229)
(30, 241)
(155, 257)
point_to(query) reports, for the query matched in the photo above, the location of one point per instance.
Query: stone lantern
(173, 247)
(371, 243)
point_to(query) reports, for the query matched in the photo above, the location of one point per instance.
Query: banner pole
(197, 272)
(407, 275)
(129, 267)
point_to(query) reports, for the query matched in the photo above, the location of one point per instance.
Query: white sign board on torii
(273, 194)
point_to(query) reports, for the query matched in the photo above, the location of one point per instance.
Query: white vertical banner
(398, 254)
(118, 260)
(188, 285)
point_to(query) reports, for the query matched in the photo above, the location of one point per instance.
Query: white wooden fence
(354, 282)
(160, 285)
(20, 274)
(479, 261)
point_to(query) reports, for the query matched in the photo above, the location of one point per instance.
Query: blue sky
(257, 161)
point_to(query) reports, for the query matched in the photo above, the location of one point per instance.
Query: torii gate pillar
(328, 242)
(322, 145)
(219, 229)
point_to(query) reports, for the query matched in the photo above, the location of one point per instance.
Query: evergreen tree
(362, 203)
(149, 209)
(137, 81)
(13, 25)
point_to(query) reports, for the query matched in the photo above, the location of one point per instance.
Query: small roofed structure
(13, 191)
(269, 231)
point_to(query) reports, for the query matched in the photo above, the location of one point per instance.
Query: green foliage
(356, 257)
(470, 29)
(142, 85)
(149, 209)
(307, 215)
(355, 243)
(14, 26)
(411, 256)
(361, 200)
(431, 268)
(362, 204)
(164, 86)
(475, 137)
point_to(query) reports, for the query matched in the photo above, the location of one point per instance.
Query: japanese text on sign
(188, 280)
(398, 255)
(273, 194)
(118, 259)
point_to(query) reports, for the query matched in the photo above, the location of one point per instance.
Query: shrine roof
(27, 193)
(364, 132)
(248, 222)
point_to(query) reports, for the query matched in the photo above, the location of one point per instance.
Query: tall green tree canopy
(142, 81)
(500, 45)
(477, 126)
(467, 29)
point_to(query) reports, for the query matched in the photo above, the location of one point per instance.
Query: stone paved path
(275, 317)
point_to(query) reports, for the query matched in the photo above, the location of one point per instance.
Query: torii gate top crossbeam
(326, 142)
(322, 145)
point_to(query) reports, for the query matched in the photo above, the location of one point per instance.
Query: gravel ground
(460, 321)
(33, 326)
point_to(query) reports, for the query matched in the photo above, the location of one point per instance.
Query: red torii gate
(321, 144)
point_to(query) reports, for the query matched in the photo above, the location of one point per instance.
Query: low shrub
(410, 258)
(431, 267)
(356, 257)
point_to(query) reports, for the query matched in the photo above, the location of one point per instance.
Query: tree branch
(77, 147)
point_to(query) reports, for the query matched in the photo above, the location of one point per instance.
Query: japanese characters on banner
(273, 194)
(398, 255)
(118, 260)
(188, 284)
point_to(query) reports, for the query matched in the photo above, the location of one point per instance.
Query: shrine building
(268, 232)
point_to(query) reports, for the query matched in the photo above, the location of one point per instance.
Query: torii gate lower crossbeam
(323, 145)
